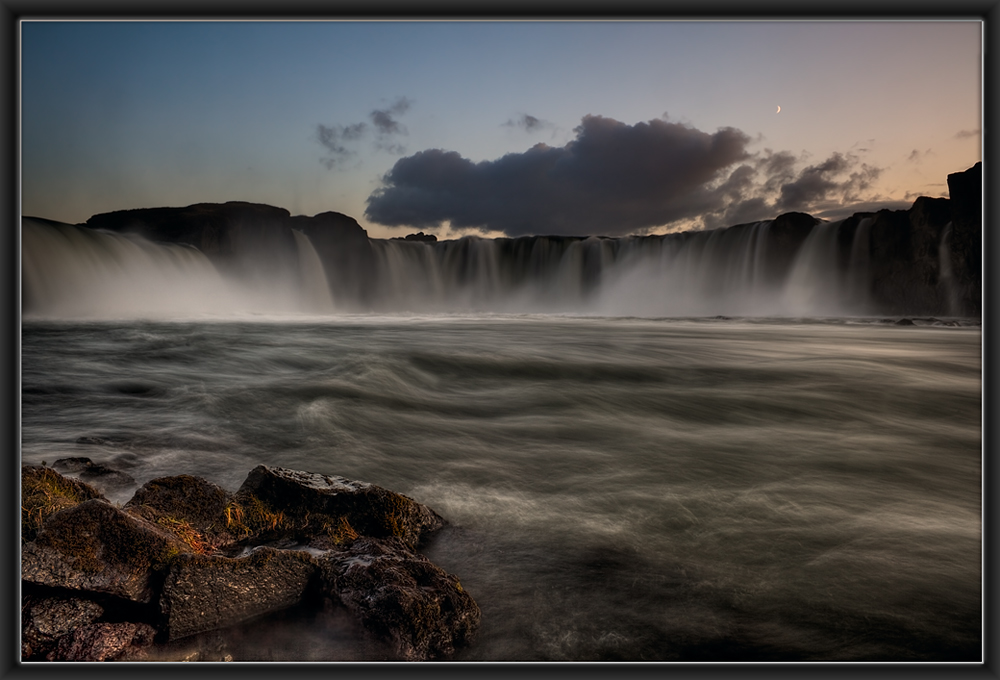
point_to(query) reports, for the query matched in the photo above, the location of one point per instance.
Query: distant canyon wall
(921, 261)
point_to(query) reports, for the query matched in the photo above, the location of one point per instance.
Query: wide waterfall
(79, 272)
(75, 272)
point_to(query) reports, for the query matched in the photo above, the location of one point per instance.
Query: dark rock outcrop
(234, 235)
(255, 241)
(419, 236)
(313, 505)
(45, 620)
(102, 477)
(204, 592)
(784, 239)
(346, 253)
(402, 597)
(93, 546)
(44, 492)
(185, 557)
(183, 499)
(123, 641)
(964, 241)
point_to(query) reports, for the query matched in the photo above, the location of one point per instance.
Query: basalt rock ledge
(185, 558)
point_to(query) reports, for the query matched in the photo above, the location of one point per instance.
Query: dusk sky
(499, 127)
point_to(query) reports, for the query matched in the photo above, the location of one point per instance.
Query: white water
(71, 272)
(316, 296)
(76, 272)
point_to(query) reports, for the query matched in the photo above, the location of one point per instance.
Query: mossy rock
(45, 492)
(193, 499)
(309, 504)
(190, 507)
(94, 546)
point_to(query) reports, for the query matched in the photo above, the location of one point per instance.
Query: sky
(499, 128)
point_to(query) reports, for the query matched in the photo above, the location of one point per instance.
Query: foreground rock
(45, 492)
(184, 557)
(190, 507)
(311, 506)
(204, 593)
(93, 546)
(45, 620)
(402, 598)
(105, 642)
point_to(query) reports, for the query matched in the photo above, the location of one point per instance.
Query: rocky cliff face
(964, 242)
(345, 250)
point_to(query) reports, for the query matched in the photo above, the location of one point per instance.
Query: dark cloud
(778, 168)
(612, 178)
(385, 121)
(615, 179)
(528, 123)
(385, 126)
(964, 134)
(333, 137)
(813, 184)
(353, 131)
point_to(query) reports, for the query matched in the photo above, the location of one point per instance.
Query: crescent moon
(779, 110)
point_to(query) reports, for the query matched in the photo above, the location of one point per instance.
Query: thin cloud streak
(529, 123)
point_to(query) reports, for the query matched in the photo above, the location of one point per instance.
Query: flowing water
(627, 474)
(617, 488)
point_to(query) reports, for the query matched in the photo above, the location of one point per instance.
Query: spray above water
(793, 266)
(76, 272)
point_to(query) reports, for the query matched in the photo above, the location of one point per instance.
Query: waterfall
(316, 295)
(77, 271)
(814, 284)
(947, 276)
(858, 273)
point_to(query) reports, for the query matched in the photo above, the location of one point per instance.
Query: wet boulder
(188, 506)
(206, 592)
(94, 546)
(401, 598)
(99, 582)
(45, 492)
(277, 501)
(122, 641)
(102, 477)
(46, 619)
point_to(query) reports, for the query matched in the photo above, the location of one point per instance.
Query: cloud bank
(614, 179)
